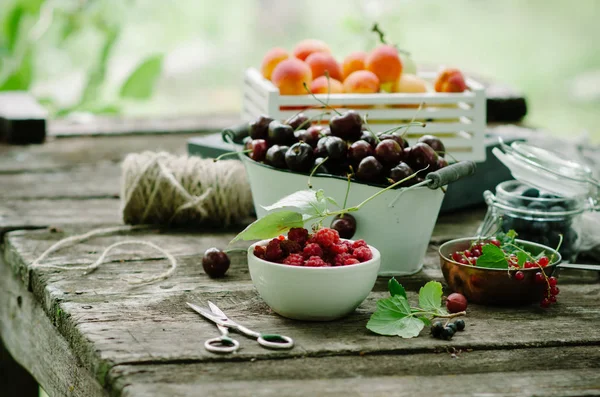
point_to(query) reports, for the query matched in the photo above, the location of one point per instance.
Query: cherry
(435, 143)
(347, 126)
(359, 150)
(259, 149)
(310, 135)
(543, 261)
(368, 137)
(441, 163)
(369, 169)
(323, 168)
(215, 262)
(298, 121)
(395, 137)
(422, 155)
(545, 303)
(552, 281)
(333, 147)
(401, 171)
(281, 134)
(519, 276)
(539, 278)
(300, 157)
(456, 303)
(388, 152)
(326, 131)
(345, 225)
(259, 128)
(276, 156)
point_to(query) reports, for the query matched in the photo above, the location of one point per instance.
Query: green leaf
(271, 225)
(306, 202)
(11, 25)
(396, 288)
(140, 84)
(20, 79)
(393, 317)
(522, 258)
(506, 238)
(332, 201)
(430, 296)
(492, 257)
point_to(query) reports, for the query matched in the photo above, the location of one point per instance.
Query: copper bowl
(494, 286)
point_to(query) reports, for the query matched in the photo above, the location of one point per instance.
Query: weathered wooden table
(95, 335)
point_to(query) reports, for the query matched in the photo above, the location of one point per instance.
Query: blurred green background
(150, 57)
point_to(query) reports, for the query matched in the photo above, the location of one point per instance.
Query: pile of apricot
(311, 63)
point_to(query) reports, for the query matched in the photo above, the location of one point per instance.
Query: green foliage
(21, 77)
(11, 26)
(396, 288)
(492, 257)
(140, 84)
(271, 225)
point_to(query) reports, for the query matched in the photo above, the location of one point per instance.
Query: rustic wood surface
(96, 335)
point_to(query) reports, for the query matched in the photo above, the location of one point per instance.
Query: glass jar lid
(547, 170)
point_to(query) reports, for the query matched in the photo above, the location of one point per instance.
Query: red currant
(476, 252)
(519, 276)
(543, 261)
(473, 261)
(529, 265)
(552, 298)
(539, 278)
(495, 242)
(552, 281)
(545, 303)
(476, 247)
(554, 290)
(463, 261)
(457, 256)
(467, 253)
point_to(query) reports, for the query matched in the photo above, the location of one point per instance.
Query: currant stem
(230, 154)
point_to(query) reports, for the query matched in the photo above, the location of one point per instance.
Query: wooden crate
(458, 119)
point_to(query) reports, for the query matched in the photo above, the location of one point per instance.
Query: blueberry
(536, 206)
(548, 196)
(436, 329)
(453, 326)
(539, 227)
(447, 333)
(460, 324)
(531, 192)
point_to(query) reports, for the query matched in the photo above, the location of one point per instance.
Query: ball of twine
(164, 189)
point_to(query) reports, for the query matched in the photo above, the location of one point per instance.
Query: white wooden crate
(458, 119)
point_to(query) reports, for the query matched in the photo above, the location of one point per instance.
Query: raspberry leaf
(430, 297)
(394, 317)
(271, 225)
(492, 257)
(308, 202)
(396, 288)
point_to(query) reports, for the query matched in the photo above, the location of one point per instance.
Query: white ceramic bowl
(312, 293)
(400, 221)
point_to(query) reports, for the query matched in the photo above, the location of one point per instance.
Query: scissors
(225, 344)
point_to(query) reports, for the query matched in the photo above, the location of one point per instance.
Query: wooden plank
(37, 345)
(558, 383)
(201, 379)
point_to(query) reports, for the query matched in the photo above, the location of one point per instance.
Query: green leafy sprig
(396, 317)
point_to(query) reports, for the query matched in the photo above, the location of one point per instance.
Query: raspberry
(259, 251)
(326, 237)
(274, 252)
(359, 243)
(313, 249)
(315, 261)
(351, 261)
(339, 259)
(294, 260)
(290, 247)
(363, 254)
(348, 245)
(298, 234)
(339, 248)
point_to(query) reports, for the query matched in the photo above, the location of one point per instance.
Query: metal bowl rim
(458, 240)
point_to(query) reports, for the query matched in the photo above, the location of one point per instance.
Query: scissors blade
(205, 313)
(219, 312)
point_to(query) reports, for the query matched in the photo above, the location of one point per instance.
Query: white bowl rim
(375, 251)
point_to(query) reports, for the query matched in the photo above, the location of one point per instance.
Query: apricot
(320, 62)
(450, 80)
(361, 82)
(385, 62)
(410, 83)
(353, 62)
(320, 86)
(290, 75)
(306, 47)
(272, 59)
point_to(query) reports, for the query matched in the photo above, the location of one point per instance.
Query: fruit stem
(413, 119)
(377, 30)
(347, 192)
(318, 100)
(315, 170)
(394, 129)
(451, 315)
(230, 154)
(560, 236)
(370, 130)
(310, 119)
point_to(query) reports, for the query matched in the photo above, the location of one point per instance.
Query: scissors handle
(274, 341)
(221, 344)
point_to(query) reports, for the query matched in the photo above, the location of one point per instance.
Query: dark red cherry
(359, 150)
(436, 144)
(388, 152)
(347, 126)
(259, 128)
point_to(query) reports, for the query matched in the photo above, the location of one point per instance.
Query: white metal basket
(458, 119)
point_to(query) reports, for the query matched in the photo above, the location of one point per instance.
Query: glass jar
(537, 216)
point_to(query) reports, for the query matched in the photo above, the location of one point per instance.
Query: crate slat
(377, 99)
(389, 113)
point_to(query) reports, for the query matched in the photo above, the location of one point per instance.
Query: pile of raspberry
(320, 249)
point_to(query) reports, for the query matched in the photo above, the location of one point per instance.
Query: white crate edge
(459, 119)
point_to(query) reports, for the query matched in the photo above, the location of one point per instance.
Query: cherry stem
(413, 119)
(318, 100)
(377, 30)
(315, 170)
(310, 119)
(231, 154)
(369, 130)
(394, 129)
(347, 192)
